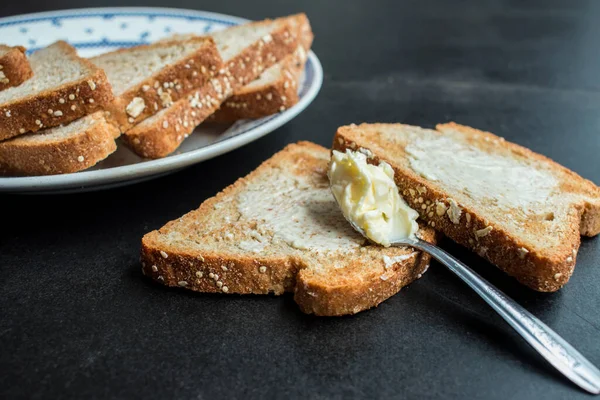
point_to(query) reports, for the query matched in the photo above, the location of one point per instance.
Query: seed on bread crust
(522, 252)
(454, 212)
(135, 107)
(483, 232)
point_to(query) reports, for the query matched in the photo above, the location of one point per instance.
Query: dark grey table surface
(78, 319)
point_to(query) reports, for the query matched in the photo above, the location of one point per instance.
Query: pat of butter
(368, 196)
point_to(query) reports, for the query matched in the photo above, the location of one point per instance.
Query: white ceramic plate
(97, 30)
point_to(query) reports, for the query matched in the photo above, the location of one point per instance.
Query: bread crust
(154, 141)
(278, 96)
(161, 137)
(268, 99)
(32, 113)
(196, 269)
(169, 84)
(14, 67)
(314, 297)
(539, 271)
(75, 153)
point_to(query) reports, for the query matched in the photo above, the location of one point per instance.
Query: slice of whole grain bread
(14, 66)
(60, 150)
(274, 91)
(149, 78)
(64, 87)
(518, 209)
(280, 230)
(247, 50)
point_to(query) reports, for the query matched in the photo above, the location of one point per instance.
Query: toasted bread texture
(247, 50)
(275, 90)
(64, 87)
(149, 78)
(161, 134)
(518, 209)
(279, 230)
(14, 66)
(60, 150)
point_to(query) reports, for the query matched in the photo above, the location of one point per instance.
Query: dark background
(77, 318)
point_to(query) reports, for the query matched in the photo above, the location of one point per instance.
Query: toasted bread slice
(518, 209)
(161, 134)
(280, 230)
(60, 150)
(14, 66)
(274, 91)
(247, 50)
(64, 87)
(149, 78)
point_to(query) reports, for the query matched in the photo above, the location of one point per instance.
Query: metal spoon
(548, 343)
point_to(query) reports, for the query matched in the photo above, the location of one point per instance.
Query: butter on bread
(14, 66)
(279, 230)
(518, 209)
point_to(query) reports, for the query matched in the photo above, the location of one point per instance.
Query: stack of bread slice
(153, 96)
(518, 209)
(248, 52)
(36, 116)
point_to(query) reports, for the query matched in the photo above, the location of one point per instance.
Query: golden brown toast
(518, 209)
(247, 50)
(275, 90)
(280, 230)
(64, 87)
(149, 78)
(61, 150)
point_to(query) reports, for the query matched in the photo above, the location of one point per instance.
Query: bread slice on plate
(247, 50)
(60, 150)
(64, 87)
(274, 91)
(280, 230)
(518, 209)
(149, 78)
(14, 66)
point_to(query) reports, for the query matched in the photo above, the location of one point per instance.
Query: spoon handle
(548, 343)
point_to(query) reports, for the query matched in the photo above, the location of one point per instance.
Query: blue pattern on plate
(151, 16)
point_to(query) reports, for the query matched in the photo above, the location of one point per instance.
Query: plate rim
(133, 172)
